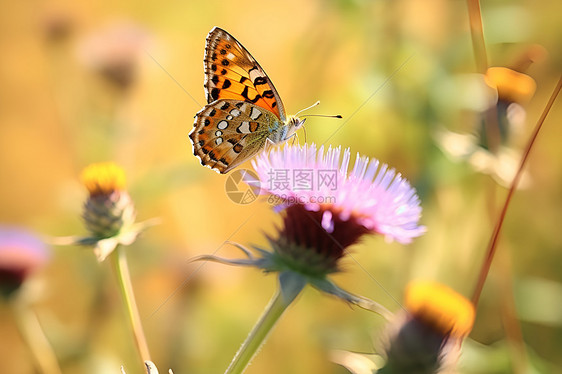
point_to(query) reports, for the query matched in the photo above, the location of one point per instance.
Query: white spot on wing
(229, 117)
(218, 133)
(254, 74)
(230, 56)
(218, 141)
(255, 114)
(222, 125)
(244, 127)
(235, 112)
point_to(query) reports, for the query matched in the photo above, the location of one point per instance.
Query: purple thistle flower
(371, 198)
(326, 209)
(21, 253)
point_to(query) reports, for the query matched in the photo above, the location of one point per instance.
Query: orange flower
(512, 86)
(440, 307)
(103, 178)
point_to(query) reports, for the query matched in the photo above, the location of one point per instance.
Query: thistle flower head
(512, 86)
(113, 51)
(370, 195)
(440, 307)
(490, 148)
(21, 253)
(427, 338)
(103, 178)
(109, 212)
(109, 208)
(326, 209)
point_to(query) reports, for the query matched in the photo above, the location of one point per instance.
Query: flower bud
(109, 207)
(428, 339)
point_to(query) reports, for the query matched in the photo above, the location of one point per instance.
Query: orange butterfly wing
(232, 73)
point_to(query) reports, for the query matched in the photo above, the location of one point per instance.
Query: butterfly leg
(295, 138)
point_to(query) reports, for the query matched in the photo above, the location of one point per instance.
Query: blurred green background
(121, 81)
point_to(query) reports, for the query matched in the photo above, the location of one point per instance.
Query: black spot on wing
(260, 80)
(215, 93)
(226, 83)
(244, 94)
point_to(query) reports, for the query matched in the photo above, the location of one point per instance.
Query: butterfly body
(286, 130)
(244, 110)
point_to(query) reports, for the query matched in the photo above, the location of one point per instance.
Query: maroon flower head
(21, 253)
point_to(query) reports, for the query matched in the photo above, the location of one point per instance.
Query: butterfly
(244, 110)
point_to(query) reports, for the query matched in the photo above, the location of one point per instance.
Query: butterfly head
(294, 123)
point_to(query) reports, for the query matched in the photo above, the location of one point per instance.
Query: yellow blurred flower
(424, 338)
(440, 307)
(512, 86)
(109, 213)
(103, 178)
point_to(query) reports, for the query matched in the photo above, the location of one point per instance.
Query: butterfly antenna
(323, 115)
(316, 115)
(312, 106)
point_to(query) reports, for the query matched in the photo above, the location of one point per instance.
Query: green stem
(291, 285)
(119, 261)
(38, 344)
